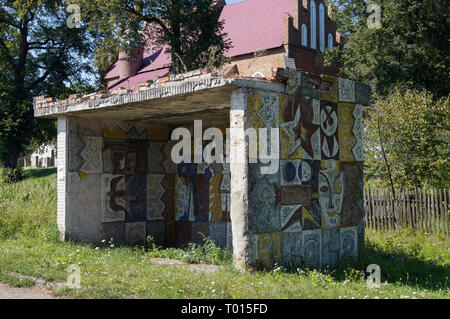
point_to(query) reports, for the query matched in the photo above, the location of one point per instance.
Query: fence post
(416, 213)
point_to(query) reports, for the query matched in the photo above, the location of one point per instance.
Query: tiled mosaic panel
(317, 193)
(143, 189)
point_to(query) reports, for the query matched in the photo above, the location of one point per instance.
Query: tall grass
(28, 207)
(412, 265)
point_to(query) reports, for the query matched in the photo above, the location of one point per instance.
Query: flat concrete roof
(174, 101)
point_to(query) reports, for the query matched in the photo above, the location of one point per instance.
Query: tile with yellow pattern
(329, 89)
(345, 132)
(269, 249)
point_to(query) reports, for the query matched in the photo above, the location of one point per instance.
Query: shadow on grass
(38, 172)
(398, 266)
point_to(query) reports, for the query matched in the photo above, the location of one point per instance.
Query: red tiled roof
(255, 24)
(251, 25)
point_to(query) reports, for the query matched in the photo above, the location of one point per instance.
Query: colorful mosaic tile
(346, 138)
(346, 90)
(329, 89)
(349, 242)
(269, 248)
(312, 248)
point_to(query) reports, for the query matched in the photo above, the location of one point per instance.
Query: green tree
(411, 48)
(39, 54)
(187, 29)
(407, 139)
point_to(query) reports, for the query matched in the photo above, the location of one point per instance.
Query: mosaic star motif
(291, 129)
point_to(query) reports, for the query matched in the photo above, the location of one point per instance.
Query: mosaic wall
(143, 192)
(311, 211)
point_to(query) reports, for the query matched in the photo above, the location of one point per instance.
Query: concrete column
(239, 180)
(62, 175)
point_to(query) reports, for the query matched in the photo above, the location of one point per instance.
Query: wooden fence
(423, 210)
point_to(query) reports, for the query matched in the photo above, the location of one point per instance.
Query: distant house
(43, 157)
(298, 29)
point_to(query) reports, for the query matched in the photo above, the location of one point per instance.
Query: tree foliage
(187, 29)
(407, 63)
(409, 134)
(39, 55)
(411, 48)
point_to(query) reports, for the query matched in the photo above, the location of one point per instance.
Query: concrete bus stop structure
(116, 178)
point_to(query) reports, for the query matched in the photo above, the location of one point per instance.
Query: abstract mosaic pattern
(312, 248)
(309, 212)
(269, 249)
(349, 242)
(143, 192)
(319, 187)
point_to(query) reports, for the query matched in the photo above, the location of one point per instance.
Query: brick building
(262, 32)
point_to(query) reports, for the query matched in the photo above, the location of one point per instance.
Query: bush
(11, 175)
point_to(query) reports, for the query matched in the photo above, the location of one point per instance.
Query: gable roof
(251, 25)
(255, 24)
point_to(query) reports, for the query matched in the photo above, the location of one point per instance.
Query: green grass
(412, 265)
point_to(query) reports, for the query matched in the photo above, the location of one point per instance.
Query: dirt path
(42, 290)
(8, 292)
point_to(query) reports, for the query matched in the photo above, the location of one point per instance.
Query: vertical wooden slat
(395, 211)
(411, 199)
(404, 216)
(405, 208)
(372, 201)
(416, 212)
(422, 215)
(433, 217)
(446, 210)
(369, 208)
(377, 203)
(428, 220)
(366, 210)
(409, 211)
(441, 212)
(385, 211)
(389, 210)
(392, 211)
(437, 211)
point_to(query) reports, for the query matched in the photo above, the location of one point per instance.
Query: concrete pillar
(62, 175)
(239, 180)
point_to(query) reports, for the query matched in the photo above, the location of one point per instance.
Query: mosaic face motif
(331, 191)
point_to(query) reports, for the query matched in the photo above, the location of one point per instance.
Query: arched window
(313, 23)
(304, 35)
(330, 41)
(322, 27)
